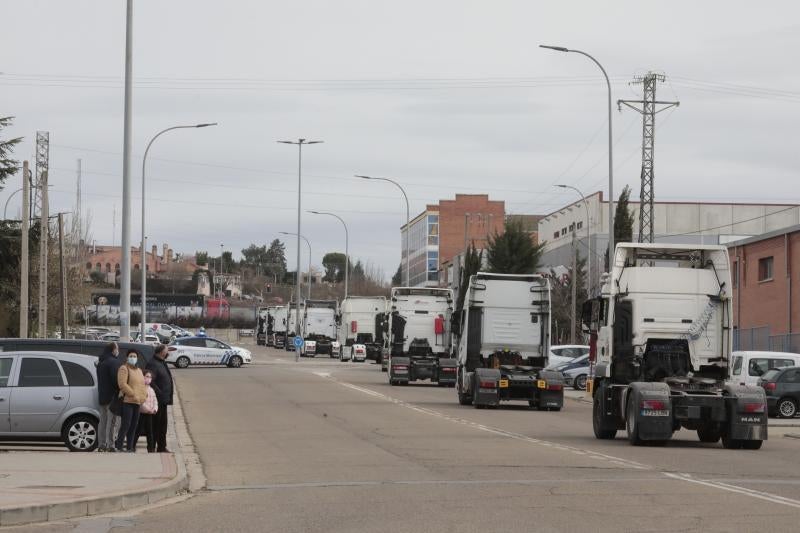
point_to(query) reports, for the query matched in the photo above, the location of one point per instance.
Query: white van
(747, 367)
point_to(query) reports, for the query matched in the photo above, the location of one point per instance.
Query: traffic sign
(298, 342)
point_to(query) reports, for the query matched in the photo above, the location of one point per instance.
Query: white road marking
(773, 498)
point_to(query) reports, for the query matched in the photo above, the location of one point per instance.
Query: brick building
(440, 233)
(766, 290)
(107, 260)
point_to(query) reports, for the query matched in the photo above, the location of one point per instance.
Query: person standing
(164, 387)
(148, 412)
(134, 392)
(107, 392)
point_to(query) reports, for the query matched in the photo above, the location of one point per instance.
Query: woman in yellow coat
(133, 391)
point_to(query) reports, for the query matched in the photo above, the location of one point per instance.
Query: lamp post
(144, 203)
(610, 152)
(408, 218)
(10, 196)
(300, 143)
(298, 265)
(346, 249)
(588, 238)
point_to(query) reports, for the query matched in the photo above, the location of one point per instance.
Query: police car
(206, 351)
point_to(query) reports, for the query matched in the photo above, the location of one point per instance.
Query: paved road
(326, 446)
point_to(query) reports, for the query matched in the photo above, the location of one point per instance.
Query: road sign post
(298, 345)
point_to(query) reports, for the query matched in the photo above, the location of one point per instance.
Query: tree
(473, 260)
(333, 262)
(227, 262)
(623, 220)
(397, 279)
(8, 166)
(357, 272)
(255, 256)
(201, 258)
(276, 259)
(561, 302)
(513, 252)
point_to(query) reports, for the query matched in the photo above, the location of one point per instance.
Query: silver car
(49, 396)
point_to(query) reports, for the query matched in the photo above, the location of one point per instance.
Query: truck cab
(660, 339)
(362, 321)
(280, 320)
(319, 328)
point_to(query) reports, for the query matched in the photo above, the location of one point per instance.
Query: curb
(792, 435)
(124, 500)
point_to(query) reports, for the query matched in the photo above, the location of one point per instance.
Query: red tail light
(488, 385)
(399, 367)
(654, 405)
(769, 386)
(448, 369)
(554, 386)
(754, 408)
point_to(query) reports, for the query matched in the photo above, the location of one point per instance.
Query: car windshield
(770, 375)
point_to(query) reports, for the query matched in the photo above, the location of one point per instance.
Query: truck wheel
(464, 399)
(729, 443)
(787, 408)
(709, 433)
(599, 422)
(630, 422)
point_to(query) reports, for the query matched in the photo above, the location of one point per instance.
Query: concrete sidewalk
(39, 486)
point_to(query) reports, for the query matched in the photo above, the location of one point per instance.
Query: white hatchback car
(206, 351)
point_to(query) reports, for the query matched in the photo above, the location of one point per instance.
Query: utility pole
(573, 279)
(24, 265)
(649, 109)
(63, 276)
(125, 241)
(44, 236)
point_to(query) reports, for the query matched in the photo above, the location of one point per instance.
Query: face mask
(132, 361)
(147, 380)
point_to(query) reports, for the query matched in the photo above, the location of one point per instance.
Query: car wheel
(182, 362)
(787, 408)
(235, 362)
(580, 382)
(80, 433)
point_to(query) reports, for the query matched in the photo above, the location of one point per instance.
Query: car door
(40, 395)
(789, 384)
(6, 369)
(215, 352)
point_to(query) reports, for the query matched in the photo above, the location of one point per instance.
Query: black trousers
(127, 430)
(146, 424)
(160, 427)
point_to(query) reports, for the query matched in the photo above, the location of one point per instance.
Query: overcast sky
(445, 96)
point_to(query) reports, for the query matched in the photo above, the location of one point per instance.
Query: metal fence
(785, 343)
(752, 339)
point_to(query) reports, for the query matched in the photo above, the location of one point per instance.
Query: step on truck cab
(280, 320)
(419, 344)
(362, 321)
(319, 328)
(660, 335)
(503, 343)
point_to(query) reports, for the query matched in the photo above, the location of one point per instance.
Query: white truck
(264, 326)
(362, 321)
(503, 343)
(280, 320)
(319, 328)
(661, 335)
(292, 327)
(419, 336)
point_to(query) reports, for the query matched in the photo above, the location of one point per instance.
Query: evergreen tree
(561, 302)
(397, 279)
(623, 221)
(473, 260)
(513, 252)
(276, 259)
(334, 262)
(8, 166)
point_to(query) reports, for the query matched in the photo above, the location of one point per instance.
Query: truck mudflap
(747, 417)
(484, 387)
(446, 372)
(549, 391)
(399, 368)
(648, 412)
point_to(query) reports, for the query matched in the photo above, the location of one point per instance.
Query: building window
(136, 266)
(555, 235)
(735, 274)
(89, 265)
(572, 228)
(580, 225)
(108, 267)
(563, 231)
(98, 267)
(765, 269)
(116, 268)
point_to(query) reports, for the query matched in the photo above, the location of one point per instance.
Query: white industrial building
(674, 222)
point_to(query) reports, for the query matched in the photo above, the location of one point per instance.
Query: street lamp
(408, 217)
(298, 266)
(143, 252)
(610, 152)
(300, 143)
(10, 196)
(346, 249)
(588, 237)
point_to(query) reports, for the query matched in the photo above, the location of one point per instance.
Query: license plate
(503, 384)
(655, 412)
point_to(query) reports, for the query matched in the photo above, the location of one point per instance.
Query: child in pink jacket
(147, 413)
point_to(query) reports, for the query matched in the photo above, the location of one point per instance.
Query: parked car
(110, 337)
(565, 354)
(149, 338)
(749, 366)
(206, 351)
(76, 346)
(49, 396)
(575, 372)
(782, 386)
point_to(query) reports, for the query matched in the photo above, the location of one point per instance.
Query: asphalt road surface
(326, 446)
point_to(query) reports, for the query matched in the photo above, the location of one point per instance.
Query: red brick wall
(766, 303)
(451, 222)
